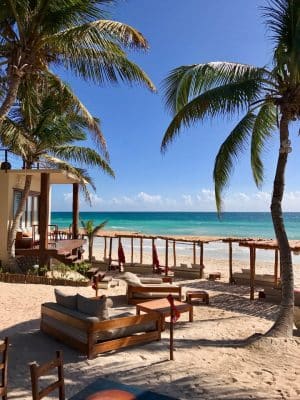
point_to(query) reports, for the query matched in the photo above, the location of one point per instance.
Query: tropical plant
(49, 136)
(72, 34)
(269, 99)
(90, 231)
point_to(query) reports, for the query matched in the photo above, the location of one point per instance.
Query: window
(31, 213)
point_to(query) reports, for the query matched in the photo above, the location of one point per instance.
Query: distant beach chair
(3, 368)
(140, 290)
(37, 371)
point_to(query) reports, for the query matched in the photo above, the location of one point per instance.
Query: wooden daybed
(92, 336)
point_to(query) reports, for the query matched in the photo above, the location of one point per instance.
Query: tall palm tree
(270, 101)
(38, 35)
(50, 136)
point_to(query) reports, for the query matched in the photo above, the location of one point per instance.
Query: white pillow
(131, 279)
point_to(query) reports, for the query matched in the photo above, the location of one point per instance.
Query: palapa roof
(269, 244)
(177, 238)
(190, 238)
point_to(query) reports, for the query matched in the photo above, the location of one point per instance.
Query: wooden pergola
(193, 240)
(264, 244)
(231, 240)
(173, 239)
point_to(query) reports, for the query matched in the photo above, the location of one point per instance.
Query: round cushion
(112, 394)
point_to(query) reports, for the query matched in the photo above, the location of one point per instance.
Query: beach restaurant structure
(37, 212)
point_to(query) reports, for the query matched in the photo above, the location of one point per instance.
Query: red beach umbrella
(155, 260)
(121, 255)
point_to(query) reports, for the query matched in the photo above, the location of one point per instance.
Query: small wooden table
(214, 275)
(197, 294)
(162, 306)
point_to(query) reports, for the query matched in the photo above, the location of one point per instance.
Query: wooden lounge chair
(141, 289)
(140, 294)
(36, 371)
(3, 368)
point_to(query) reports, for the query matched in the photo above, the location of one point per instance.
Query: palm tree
(49, 136)
(270, 101)
(73, 34)
(90, 232)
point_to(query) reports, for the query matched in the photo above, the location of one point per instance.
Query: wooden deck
(68, 251)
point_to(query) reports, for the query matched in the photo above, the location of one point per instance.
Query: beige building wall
(8, 182)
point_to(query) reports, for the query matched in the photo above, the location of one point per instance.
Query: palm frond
(263, 127)
(83, 155)
(99, 227)
(104, 34)
(283, 20)
(186, 82)
(106, 67)
(93, 123)
(234, 144)
(222, 100)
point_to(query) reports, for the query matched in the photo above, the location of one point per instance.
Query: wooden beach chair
(36, 371)
(3, 368)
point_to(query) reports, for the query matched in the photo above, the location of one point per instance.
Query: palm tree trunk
(91, 240)
(16, 221)
(14, 83)
(283, 326)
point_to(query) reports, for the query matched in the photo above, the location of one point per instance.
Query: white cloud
(148, 198)
(95, 199)
(68, 197)
(187, 199)
(204, 200)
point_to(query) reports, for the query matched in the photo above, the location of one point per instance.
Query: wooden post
(194, 253)
(174, 252)
(119, 242)
(231, 280)
(201, 253)
(252, 271)
(201, 268)
(105, 248)
(276, 269)
(167, 257)
(110, 251)
(141, 250)
(43, 219)
(171, 333)
(75, 211)
(131, 250)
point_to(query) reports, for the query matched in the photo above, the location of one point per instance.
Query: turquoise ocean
(241, 224)
(249, 224)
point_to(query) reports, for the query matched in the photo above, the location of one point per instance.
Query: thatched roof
(269, 244)
(140, 235)
(190, 238)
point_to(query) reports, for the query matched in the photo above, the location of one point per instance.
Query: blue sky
(134, 119)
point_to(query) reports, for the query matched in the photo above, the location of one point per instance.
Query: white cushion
(131, 279)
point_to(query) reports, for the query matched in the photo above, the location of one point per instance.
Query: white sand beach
(211, 360)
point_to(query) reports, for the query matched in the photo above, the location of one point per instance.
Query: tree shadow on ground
(239, 304)
(134, 367)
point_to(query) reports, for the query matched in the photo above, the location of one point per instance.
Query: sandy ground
(211, 360)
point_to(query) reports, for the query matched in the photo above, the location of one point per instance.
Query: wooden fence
(42, 280)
